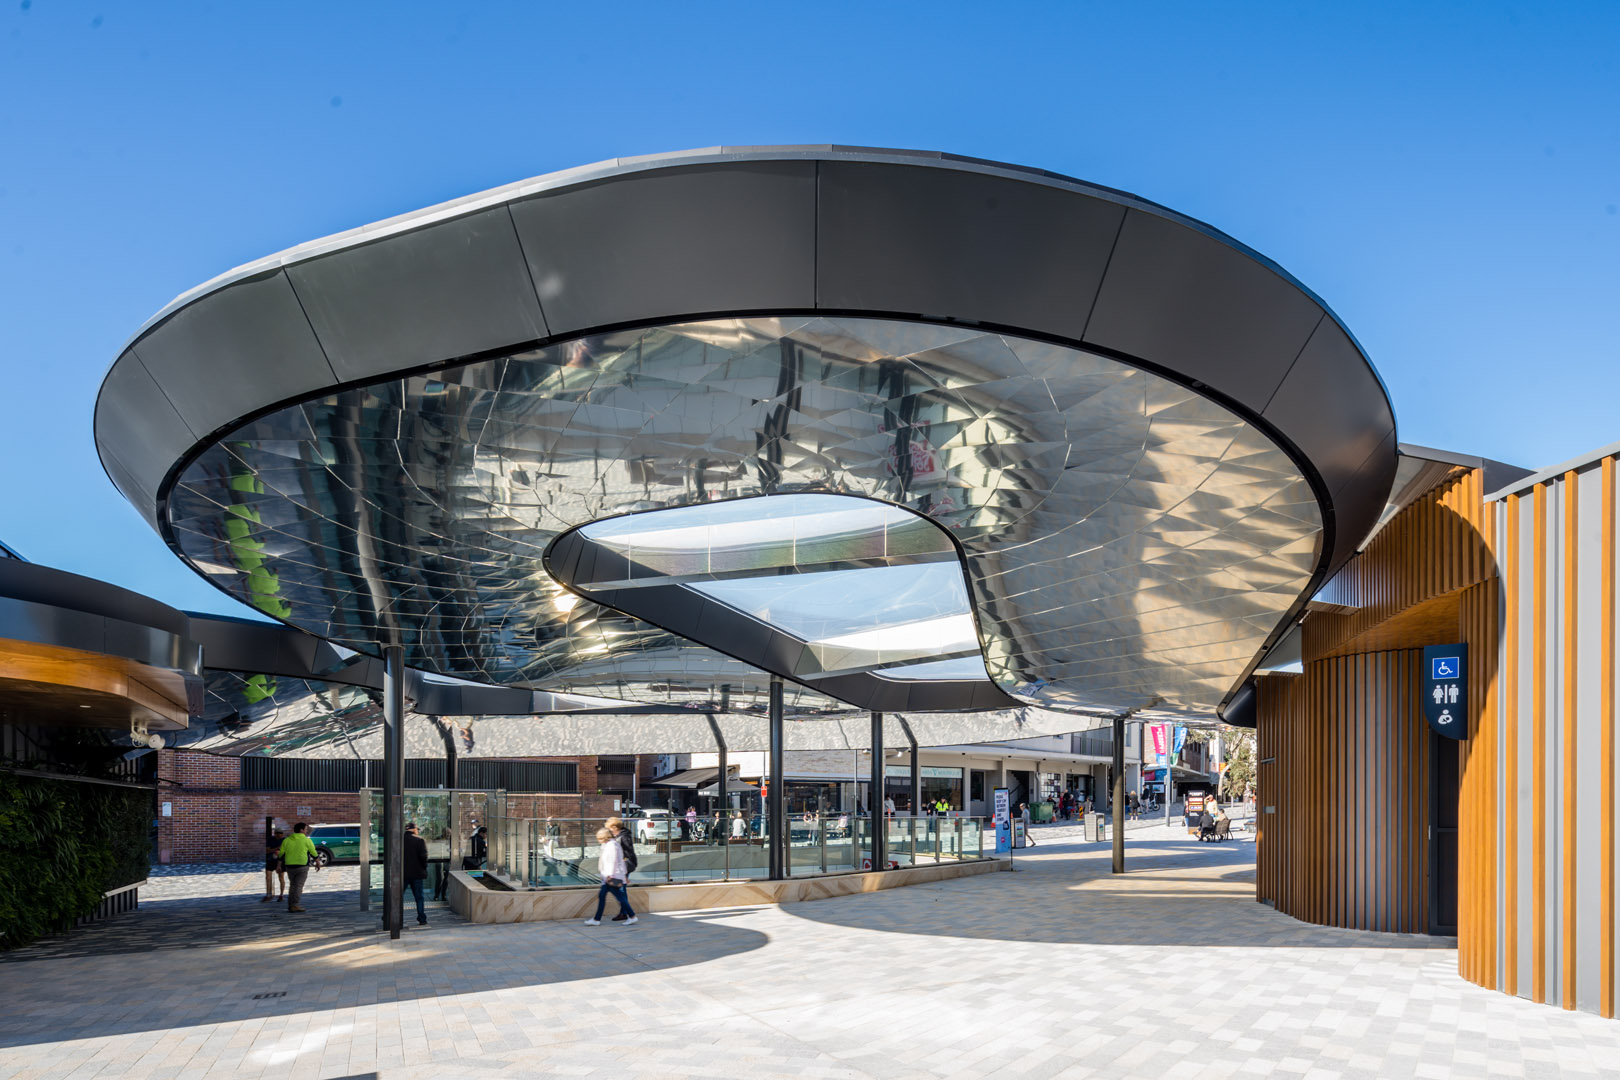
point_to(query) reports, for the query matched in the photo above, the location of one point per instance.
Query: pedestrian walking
(739, 825)
(297, 855)
(416, 868)
(274, 873)
(627, 843)
(610, 865)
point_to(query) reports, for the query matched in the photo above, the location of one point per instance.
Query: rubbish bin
(1099, 831)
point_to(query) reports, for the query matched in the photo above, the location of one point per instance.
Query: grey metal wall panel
(1506, 684)
(687, 240)
(1196, 304)
(1330, 368)
(248, 345)
(1554, 746)
(1524, 798)
(1588, 778)
(1616, 937)
(939, 242)
(451, 289)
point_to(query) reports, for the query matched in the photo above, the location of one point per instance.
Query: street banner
(1003, 819)
(1159, 754)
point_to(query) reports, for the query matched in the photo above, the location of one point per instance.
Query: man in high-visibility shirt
(298, 855)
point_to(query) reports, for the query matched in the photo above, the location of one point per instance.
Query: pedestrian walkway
(1059, 969)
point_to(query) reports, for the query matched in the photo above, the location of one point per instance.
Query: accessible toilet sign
(1445, 689)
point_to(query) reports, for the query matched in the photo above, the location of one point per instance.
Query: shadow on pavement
(1175, 892)
(180, 963)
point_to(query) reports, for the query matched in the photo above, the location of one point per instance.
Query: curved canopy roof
(1145, 443)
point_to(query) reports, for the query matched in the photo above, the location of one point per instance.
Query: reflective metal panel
(1127, 541)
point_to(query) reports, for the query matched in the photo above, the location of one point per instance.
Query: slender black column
(916, 770)
(1119, 794)
(776, 803)
(722, 790)
(880, 825)
(393, 788)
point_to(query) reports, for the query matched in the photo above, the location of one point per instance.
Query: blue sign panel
(1445, 690)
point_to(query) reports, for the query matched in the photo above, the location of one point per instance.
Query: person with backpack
(627, 843)
(615, 877)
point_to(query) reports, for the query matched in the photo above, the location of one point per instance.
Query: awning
(690, 778)
(735, 785)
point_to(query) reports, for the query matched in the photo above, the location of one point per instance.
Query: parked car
(340, 843)
(652, 824)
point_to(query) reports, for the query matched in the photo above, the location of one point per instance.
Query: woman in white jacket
(611, 866)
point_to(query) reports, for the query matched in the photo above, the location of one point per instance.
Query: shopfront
(938, 782)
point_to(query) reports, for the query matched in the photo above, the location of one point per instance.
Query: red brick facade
(210, 818)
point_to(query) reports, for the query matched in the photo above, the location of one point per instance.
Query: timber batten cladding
(1352, 797)
(1553, 935)
(1346, 785)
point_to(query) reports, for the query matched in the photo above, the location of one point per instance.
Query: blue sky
(1446, 176)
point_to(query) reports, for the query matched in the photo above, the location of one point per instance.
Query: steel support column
(916, 769)
(393, 789)
(1119, 795)
(723, 794)
(776, 801)
(874, 800)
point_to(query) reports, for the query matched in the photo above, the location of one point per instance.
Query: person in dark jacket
(416, 868)
(480, 849)
(626, 841)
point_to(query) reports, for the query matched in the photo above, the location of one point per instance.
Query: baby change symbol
(1445, 689)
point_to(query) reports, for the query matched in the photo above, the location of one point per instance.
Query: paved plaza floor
(1057, 970)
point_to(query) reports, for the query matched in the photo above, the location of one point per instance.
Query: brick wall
(211, 819)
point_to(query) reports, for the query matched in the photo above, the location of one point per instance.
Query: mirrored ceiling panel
(1125, 541)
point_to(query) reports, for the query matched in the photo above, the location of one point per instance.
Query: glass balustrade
(533, 853)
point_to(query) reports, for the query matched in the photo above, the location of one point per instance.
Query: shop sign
(1002, 804)
(1445, 689)
(933, 772)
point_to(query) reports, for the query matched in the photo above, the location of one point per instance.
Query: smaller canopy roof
(690, 778)
(732, 785)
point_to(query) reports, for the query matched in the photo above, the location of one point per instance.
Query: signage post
(1445, 689)
(1003, 821)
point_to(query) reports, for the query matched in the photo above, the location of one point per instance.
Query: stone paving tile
(1057, 970)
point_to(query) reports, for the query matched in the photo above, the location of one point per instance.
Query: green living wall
(62, 845)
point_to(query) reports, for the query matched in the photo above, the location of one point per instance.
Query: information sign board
(1003, 818)
(1445, 689)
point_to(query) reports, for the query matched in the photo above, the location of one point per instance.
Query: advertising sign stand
(1002, 810)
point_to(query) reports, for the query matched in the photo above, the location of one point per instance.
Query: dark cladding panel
(1195, 305)
(448, 290)
(710, 238)
(946, 243)
(231, 352)
(136, 424)
(1357, 504)
(1331, 406)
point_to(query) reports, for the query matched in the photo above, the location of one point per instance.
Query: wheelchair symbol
(1445, 667)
